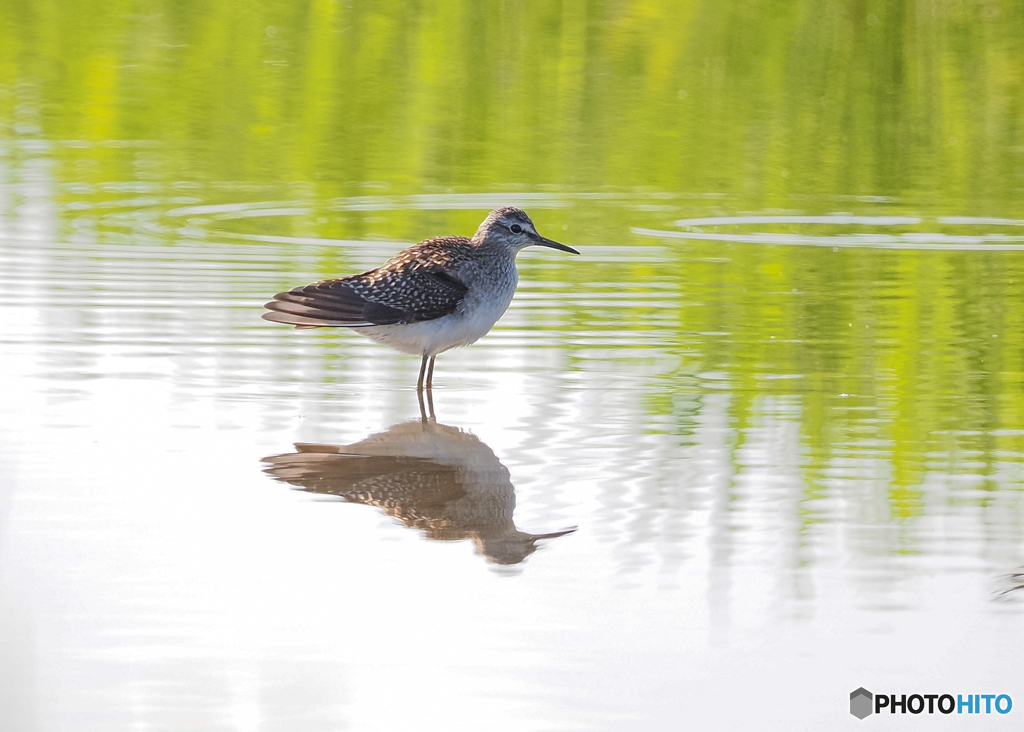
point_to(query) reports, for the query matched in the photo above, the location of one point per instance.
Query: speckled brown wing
(411, 287)
(403, 485)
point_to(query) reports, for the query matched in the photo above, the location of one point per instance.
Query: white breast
(487, 300)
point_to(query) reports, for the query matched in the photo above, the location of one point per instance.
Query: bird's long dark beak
(542, 241)
(553, 534)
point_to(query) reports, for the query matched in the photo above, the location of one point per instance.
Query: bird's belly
(466, 325)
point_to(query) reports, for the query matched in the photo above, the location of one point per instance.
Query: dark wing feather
(409, 288)
(327, 303)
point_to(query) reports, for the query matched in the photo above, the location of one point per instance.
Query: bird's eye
(516, 229)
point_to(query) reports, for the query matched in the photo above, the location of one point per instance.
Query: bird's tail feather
(314, 307)
(307, 321)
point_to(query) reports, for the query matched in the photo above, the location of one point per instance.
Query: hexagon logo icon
(860, 703)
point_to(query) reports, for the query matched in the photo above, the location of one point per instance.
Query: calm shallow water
(796, 503)
(778, 396)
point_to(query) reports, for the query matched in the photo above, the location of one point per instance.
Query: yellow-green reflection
(759, 100)
(383, 120)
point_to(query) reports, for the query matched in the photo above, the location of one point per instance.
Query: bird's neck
(495, 249)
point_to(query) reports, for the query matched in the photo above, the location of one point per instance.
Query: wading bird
(434, 296)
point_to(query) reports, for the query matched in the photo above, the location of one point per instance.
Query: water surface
(778, 396)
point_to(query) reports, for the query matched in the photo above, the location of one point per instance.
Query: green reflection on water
(344, 118)
(760, 100)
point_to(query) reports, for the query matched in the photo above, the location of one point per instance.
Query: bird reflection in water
(1012, 587)
(430, 476)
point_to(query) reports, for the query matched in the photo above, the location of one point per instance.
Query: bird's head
(510, 228)
(512, 546)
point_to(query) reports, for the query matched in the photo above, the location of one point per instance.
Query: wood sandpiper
(434, 296)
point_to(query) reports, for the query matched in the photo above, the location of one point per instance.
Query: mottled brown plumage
(412, 286)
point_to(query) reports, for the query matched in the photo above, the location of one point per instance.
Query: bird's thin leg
(423, 410)
(430, 374)
(430, 402)
(423, 370)
(429, 408)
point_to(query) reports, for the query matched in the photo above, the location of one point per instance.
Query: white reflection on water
(153, 577)
(925, 241)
